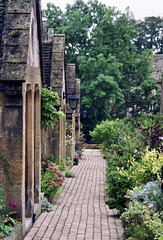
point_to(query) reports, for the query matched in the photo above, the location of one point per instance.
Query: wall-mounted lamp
(84, 114)
(73, 100)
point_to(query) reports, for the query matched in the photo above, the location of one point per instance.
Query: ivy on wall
(6, 165)
(49, 113)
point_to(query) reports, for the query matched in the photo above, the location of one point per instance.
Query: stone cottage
(29, 58)
(21, 73)
(53, 141)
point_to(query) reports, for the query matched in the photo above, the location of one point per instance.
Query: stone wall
(53, 141)
(77, 111)
(20, 94)
(70, 115)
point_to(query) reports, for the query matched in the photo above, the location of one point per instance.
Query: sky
(140, 8)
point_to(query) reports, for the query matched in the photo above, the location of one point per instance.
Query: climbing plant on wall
(49, 113)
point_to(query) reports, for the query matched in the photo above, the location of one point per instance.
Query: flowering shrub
(141, 222)
(7, 221)
(51, 180)
(133, 150)
(68, 129)
(69, 142)
(69, 162)
(145, 170)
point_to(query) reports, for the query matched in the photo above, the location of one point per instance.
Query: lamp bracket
(65, 94)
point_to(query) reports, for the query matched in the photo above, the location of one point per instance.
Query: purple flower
(15, 205)
(142, 216)
(10, 203)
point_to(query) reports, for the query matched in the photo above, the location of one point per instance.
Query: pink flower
(125, 138)
(51, 168)
(52, 164)
(144, 211)
(150, 206)
(43, 163)
(10, 203)
(142, 216)
(61, 179)
(15, 205)
(161, 138)
(127, 191)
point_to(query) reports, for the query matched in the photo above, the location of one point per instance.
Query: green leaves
(107, 47)
(49, 113)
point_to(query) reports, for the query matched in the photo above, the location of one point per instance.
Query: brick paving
(80, 213)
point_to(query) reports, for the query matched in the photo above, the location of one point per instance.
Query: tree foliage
(150, 34)
(112, 57)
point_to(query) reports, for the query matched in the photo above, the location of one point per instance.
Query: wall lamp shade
(73, 101)
(84, 114)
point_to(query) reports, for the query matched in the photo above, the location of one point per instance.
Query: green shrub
(106, 133)
(145, 170)
(69, 174)
(117, 187)
(141, 222)
(150, 194)
(46, 206)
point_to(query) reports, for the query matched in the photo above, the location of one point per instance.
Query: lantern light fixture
(84, 114)
(73, 100)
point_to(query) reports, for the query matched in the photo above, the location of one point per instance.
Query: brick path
(80, 213)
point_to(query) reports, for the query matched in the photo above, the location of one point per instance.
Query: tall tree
(150, 34)
(54, 17)
(107, 48)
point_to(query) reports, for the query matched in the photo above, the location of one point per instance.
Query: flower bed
(133, 151)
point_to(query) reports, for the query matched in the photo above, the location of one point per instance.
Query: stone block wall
(70, 115)
(20, 94)
(53, 141)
